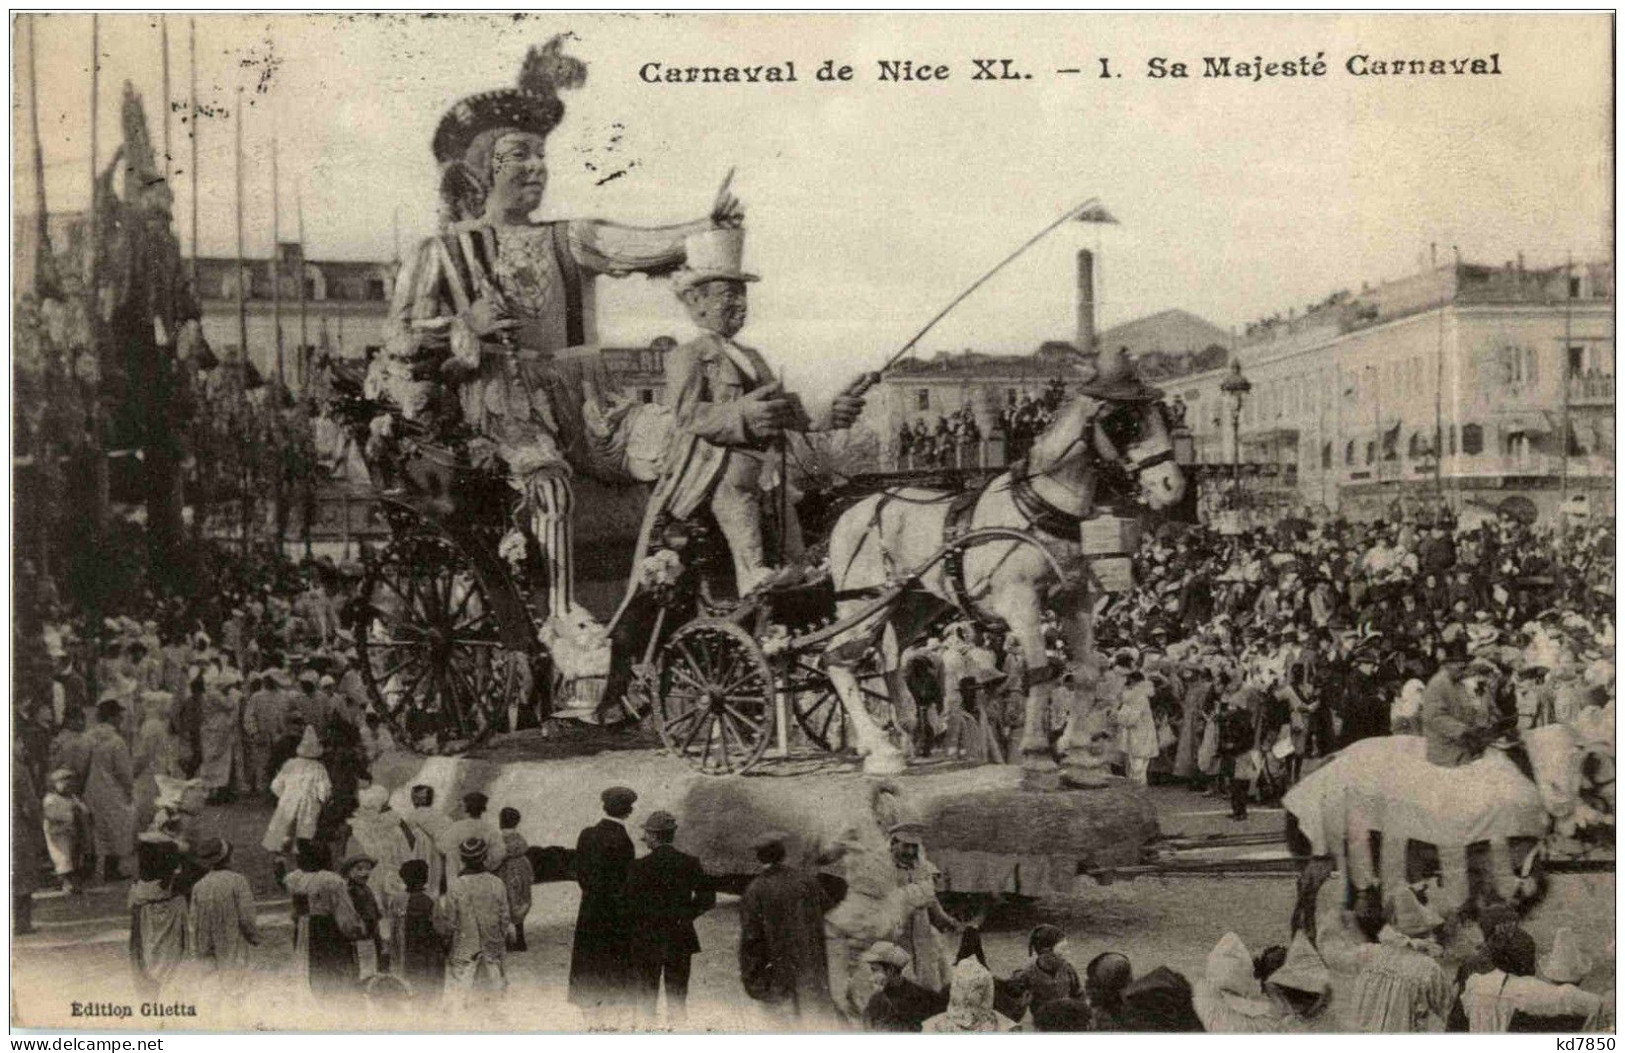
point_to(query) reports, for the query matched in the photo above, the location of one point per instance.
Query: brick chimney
(1086, 301)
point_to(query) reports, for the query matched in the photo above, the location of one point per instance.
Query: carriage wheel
(817, 706)
(716, 697)
(431, 649)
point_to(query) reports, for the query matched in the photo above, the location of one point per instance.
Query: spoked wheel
(817, 706)
(431, 649)
(715, 708)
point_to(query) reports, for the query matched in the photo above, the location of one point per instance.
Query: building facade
(1463, 384)
(344, 313)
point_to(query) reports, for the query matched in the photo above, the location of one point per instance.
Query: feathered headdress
(534, 106)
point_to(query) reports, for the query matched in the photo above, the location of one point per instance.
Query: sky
(871, 205)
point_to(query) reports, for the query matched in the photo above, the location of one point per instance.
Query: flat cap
(619, 796)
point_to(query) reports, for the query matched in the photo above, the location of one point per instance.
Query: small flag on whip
(1095, 214)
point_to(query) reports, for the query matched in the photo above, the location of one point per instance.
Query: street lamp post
(1235, 388)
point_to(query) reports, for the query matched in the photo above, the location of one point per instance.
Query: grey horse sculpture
(1115, 421)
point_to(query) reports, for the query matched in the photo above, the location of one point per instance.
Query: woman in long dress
(108, 789)
(327, 924)
(158, 928)
(221, 732)
(157, 752)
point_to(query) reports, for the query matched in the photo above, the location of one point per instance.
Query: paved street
(1172, 921)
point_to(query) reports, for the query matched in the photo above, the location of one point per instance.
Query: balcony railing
(1596, 389)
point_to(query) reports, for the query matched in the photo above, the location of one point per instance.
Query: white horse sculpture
(1115, 421)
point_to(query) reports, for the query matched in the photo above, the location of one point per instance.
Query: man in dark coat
(1365, 702)
(598, 975)
(898, 1004)
(665, 891)
(782, 961)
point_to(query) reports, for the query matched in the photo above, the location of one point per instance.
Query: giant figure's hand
(488, 319)
(848, 405)
(727, 210)
(766, 411)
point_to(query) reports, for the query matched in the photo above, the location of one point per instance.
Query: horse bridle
(1051, 518)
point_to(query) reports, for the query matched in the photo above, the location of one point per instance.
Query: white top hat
(712, 255)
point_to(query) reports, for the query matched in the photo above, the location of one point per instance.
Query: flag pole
(191, 124)
(304, 341)
(95, 90)
(276, 271)
(43, 256)
(242, 302)
(163, 40)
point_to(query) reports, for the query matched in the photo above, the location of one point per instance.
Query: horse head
(1132, 434)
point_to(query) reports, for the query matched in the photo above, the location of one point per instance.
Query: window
(647, 395)
(1009, 396)
(1325, 455)
(1370, 453)
(310, 288)
(1452, 440)
(1577, 360)
(922, 398)
(1472, 440)
(1348, 454)
(1414, 450)
(1530, 363)
(375, 288)
(1574, 288)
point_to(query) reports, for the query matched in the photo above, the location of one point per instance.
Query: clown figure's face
(518, 174)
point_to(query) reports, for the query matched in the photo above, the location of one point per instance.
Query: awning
(1527, 424)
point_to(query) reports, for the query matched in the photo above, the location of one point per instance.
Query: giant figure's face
(717, 306)
(518, 171)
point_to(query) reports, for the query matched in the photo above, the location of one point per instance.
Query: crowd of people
(955, 442)
(1232, 663)
(143, 716)
(1264, 651)
(1235, 660)
(957, 439)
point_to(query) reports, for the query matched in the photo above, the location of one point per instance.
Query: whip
(1070, 213)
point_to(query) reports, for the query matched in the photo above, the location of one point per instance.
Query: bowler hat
(213, 852)
(660, 823)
